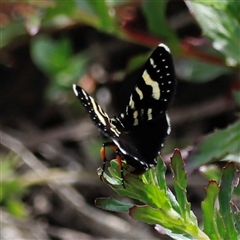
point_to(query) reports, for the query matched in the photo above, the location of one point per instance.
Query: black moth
(138, 134)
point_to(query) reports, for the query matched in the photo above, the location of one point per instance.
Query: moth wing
(154, 89)
(99, 117)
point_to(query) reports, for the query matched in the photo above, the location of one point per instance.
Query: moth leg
(118, 158)
(119, 161)
(103, 154)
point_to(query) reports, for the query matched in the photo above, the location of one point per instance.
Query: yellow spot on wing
(139, 93)
(149, 112)
(99, 115)
(153, 84)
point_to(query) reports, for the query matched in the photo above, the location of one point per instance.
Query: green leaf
(107, 22)
(111, 204)
(160, 172)
(236, 215)
(11, 32)
(155, 216)
(11, 189)
(226, 190)
(49, 55)
(61, 8)
(236, 95)
(180, 184)
(192, 70)
(137, 62)
(137, 189)
(16, 208)
(166, 231)
(154, 12)
(211, 172)
(215, 147)
(208, 208)
(220, 25)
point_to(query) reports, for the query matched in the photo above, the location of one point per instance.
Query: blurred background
(49, 146)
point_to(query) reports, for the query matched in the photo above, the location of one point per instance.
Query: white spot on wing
(165, 47)
(75, 90)
(152, 63)
(169, 126)
(153, 84)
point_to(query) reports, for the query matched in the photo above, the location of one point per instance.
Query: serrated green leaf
(180, 184)
(208, 208)
(220, 26)
(226, 189)
(137, 189)
(219, 219)
(215, 146)
(112, 204)
(161, 171)
(147, 193)
(155, 216)
(173, 235)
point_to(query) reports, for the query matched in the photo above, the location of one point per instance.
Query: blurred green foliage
(11, 188)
